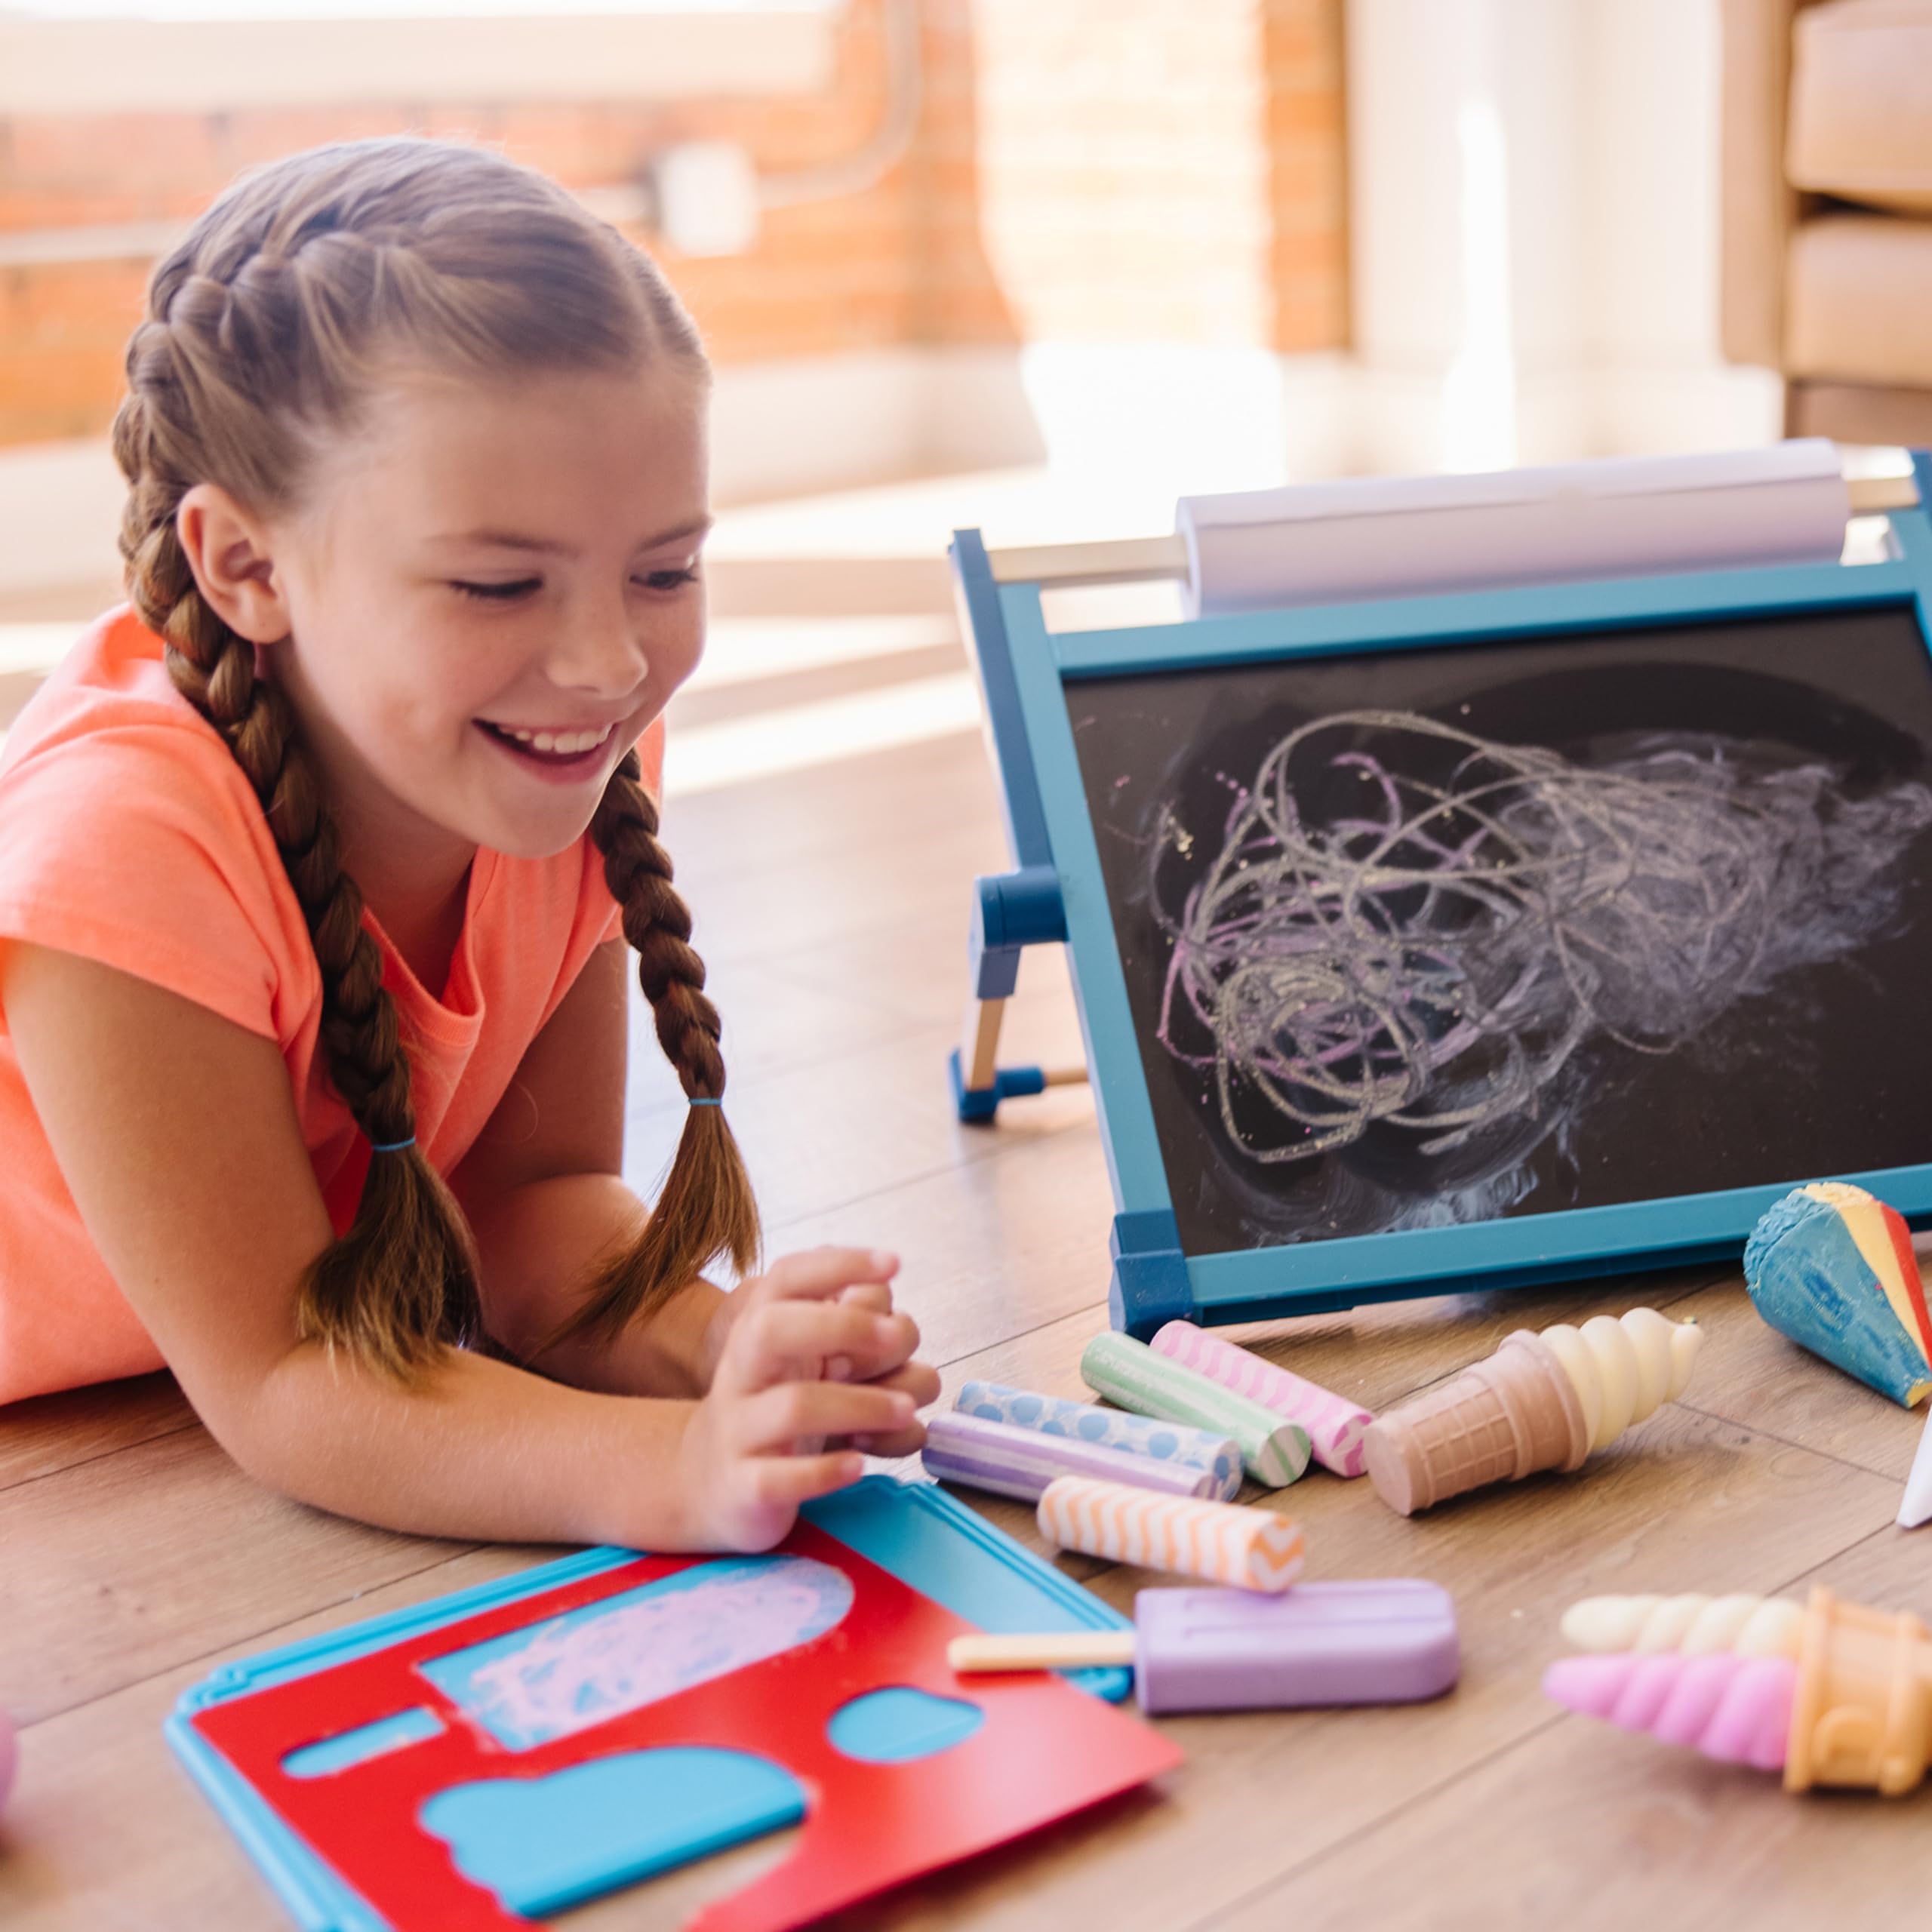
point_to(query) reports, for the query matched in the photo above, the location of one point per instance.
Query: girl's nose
(601, 652)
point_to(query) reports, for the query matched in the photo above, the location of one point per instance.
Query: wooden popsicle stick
(1057, 1650)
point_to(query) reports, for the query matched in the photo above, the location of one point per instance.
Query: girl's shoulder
(129, 834)
(109, 697)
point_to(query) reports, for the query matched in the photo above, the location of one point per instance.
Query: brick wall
(1083, 170)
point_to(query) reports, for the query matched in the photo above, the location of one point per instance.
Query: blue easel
(1056, 893)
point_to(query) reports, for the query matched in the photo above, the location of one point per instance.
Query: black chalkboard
(1415, 937)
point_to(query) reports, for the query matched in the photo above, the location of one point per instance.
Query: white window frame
(50, 65)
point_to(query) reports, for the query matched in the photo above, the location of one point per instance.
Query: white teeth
(559, 744)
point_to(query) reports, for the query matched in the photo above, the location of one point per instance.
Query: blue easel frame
(1056, 892)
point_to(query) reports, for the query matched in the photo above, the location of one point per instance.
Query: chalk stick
(1274, 1452)
(1110, 1429)
(1220, 1543)
(1335, 1426)
(1008, 1461)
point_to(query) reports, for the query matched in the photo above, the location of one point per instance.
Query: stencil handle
(1057, 1650)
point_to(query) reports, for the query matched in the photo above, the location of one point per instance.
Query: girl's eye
(497, 593)
(669, 579)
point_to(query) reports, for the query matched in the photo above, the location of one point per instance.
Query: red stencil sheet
(1044, 1749)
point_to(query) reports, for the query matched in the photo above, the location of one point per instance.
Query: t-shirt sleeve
(141, 846)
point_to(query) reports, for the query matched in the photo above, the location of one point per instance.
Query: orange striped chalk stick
(1220, 1542)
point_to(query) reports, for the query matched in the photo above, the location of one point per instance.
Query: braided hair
(267, 331)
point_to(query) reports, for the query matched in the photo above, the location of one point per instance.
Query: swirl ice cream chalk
(1695, 1626)
(1335, 1426)
(1540, 1402)
(1109, 1429)
(1853, 1707)
(1220, 1543)
(1022, 1462)
(1275, 1452)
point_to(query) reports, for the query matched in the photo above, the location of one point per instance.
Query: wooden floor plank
(53, 1433)
(1756, 1376)
(1627, 1830)
(817, 820)
(992, 1247)
(121, 1566)
(819, 1138)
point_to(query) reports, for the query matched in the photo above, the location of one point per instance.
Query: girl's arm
(541, 1189)
(176, 1132)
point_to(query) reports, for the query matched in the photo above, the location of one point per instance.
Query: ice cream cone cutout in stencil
(1540, 1402)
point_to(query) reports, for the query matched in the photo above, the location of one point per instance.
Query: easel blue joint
(1150, 1285)
(1012, 910)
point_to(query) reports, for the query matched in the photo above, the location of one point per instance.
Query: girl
(313, 866)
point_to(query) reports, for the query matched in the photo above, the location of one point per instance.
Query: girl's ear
(228, 547)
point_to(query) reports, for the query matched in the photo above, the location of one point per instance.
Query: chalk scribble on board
(1406, 924)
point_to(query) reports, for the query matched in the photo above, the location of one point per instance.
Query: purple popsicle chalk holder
(1392, 1641)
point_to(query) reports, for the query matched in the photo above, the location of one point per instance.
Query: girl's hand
(866, 1279)
(811, 1355)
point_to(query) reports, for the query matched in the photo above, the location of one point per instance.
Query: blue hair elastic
(707, 1103)
(391, 1146)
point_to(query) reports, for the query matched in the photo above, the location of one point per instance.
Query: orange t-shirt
(128, 835)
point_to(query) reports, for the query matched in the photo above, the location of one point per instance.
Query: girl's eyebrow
(511, 540)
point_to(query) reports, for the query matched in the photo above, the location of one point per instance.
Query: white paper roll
(1406, 535)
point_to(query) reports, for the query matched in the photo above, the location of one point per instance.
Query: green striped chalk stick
(1275, 1452)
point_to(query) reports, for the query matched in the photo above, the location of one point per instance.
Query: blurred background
(1037, 265)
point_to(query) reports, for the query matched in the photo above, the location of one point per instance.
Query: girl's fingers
(803, 1341)
(820, 1273)
(775, 1419)
(788, 1480)
(906, 1441)
(919, 1379)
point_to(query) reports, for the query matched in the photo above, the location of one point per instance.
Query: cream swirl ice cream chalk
(1696, 1625)
(1540, 1402)
(1623, 1369)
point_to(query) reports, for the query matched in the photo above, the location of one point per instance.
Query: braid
(706, 1208)
(402, 1281)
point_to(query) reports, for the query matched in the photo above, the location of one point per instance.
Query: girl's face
(492, 592)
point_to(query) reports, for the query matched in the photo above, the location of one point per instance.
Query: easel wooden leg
(982, 1042)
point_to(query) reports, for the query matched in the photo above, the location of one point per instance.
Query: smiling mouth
(551, 747)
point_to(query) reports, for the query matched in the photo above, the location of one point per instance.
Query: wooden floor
(832, 907)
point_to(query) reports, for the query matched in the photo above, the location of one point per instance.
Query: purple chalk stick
(1392, 1641)
(1011, 1461)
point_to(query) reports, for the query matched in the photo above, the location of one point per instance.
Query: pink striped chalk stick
(1220, 1543)
(1335, 1426)
(1022, 1462)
